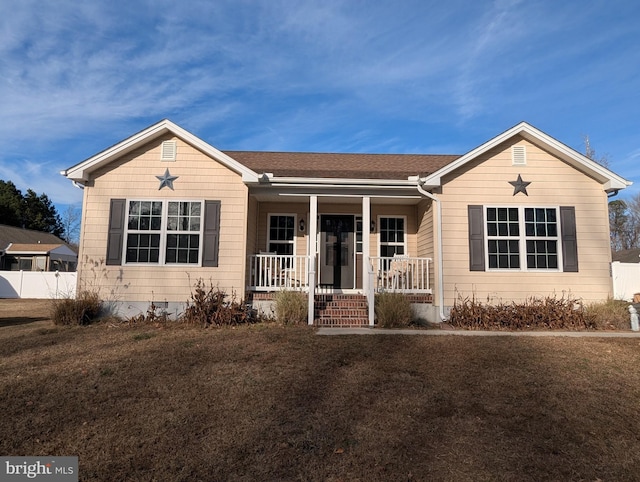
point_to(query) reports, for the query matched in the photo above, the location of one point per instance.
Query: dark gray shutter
(211, 239)
(569, 239)
(116, 231)
(476, 238)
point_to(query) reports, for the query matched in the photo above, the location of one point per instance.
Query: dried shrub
(154, 315)
(81, 310)
(609, 315)
(393, 310)
(549, 313)
(208, 306)
(292, 307)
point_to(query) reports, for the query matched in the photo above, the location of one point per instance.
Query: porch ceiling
(324, 199)
(404, 196)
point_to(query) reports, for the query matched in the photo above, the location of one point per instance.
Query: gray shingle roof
(12, 234)
(334, 165)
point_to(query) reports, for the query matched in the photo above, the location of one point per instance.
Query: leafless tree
(590, 152)
(71, 218)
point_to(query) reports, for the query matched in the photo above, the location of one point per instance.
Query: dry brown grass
(267, 402)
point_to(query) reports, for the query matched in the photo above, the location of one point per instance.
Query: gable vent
(518, 155)
(169, 149)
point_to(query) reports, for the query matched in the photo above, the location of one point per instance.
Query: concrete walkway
(390, 331)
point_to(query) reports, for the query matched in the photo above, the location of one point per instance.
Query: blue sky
(398, 76)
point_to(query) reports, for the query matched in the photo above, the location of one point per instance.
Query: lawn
(268, 402)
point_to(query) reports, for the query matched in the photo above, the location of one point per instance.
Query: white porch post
(313, 250)
(366, 254)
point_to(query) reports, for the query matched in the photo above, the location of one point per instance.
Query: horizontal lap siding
(553, 183)
(133, 177)
(301, 210)
(425, 237)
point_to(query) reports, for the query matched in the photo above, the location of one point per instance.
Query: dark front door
(336, 251)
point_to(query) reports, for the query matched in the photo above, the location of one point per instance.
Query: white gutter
(306, 181)
(439, 246)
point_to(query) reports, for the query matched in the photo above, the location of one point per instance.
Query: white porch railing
(269, 272)
(401, 273)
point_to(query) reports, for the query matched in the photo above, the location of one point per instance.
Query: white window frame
(523, 238)
(295, 229)
(404, 234)
(163, 232)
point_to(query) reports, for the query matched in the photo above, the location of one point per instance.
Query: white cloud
(288, 74)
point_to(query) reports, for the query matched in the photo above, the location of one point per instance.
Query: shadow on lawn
(21, 320)
(288, 405)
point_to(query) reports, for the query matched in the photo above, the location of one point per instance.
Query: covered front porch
(344, 248)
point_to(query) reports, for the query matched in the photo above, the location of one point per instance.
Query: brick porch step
(341, 310)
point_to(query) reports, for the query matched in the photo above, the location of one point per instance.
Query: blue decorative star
(166, 180)
(519, 186)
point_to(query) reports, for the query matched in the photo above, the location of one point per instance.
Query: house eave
(609, 180)
(81, 172)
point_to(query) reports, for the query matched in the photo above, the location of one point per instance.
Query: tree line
(30, 211)
(624, 223)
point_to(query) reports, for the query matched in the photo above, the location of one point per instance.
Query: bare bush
(549, 313)
(208, 306)
(81, 310)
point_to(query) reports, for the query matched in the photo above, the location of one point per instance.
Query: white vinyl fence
(626, 280)
(37, 284)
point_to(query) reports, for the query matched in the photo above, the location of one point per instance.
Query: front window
(164, 232)
(522, 238)
(358, 234)
(392, 236)
(281, 234)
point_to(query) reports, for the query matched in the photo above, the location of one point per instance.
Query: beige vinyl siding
(409, 213)
(134, 177)
(299, 210)
(252, 225)
(553, 183)
(425, 237)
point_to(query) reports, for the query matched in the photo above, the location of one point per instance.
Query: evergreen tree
(40, 214)
(28, 211)
(10, 204)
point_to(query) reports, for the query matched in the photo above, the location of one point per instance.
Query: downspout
(439, 245)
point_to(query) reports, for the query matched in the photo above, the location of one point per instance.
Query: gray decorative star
(519, 186)
(166, 180)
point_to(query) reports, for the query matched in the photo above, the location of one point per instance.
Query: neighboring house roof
(627, 256)
(38, 248)
(13, 234)
(296, 167)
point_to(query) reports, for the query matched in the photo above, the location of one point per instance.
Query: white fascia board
(80, 172)
(247, 174)
(609, 179)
